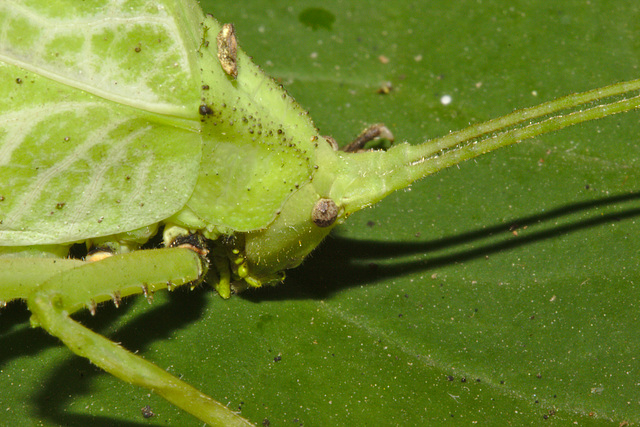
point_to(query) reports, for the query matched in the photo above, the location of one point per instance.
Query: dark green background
(494, 292)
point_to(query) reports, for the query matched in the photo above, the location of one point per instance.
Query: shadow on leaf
(74, 376)
(344, 262)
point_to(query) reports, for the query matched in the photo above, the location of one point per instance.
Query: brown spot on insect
(325, 212)
(205, 110)
(228, 50)
(332, 142)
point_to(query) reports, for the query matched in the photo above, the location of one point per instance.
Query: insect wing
(99, 130)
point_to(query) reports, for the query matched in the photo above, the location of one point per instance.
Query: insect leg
(126, 274)
(21, 276)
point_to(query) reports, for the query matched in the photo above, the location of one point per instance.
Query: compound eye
(325, 213)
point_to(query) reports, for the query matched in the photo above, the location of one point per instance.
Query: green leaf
(67, 123)
(94, 45)
(519, 269)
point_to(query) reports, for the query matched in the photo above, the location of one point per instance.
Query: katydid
(181, 134)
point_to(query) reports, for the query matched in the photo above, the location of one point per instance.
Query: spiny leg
(21, 276)
(113, 278)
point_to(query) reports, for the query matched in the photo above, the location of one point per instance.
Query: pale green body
(114, 122)
(144, 154)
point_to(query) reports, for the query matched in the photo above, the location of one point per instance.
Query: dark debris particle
(147, 412)
(205, 110)
(463, 380)
(277, 358)
(371, 223)
(19, 80)
(385, 88)
(450, 378)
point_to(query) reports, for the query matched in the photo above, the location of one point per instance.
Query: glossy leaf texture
(502, 291)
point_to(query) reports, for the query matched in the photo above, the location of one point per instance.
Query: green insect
(120, 123)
